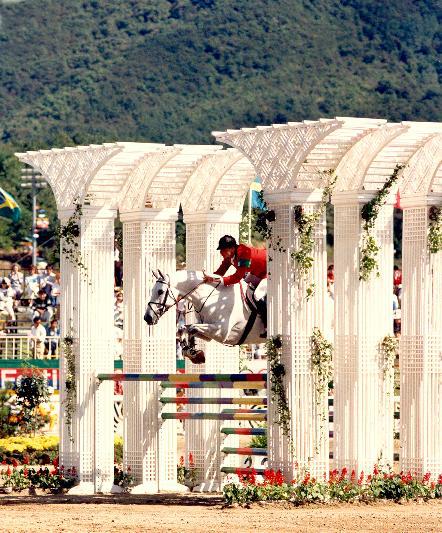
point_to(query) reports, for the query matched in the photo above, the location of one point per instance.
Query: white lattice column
(294, 317)
(363, 391)
(150, 445)
(87, 316)
(421, 343)
(203, 437)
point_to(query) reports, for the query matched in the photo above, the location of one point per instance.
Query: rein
(159, 308)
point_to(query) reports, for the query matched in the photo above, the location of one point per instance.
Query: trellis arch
(146, 182)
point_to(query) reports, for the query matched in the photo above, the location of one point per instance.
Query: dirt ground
(195, 513)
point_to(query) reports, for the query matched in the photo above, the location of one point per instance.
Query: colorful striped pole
(245, 451)
(242, 471)
(262, 411)
(258, 385)
(183, 378)
(244, 431)
(216, 401)
(214, 416)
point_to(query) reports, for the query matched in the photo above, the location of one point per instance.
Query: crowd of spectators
(28, 308)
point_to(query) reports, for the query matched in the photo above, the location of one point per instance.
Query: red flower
(353, 475)
(306, 478)
(375, 470)
(182, 460)
(279, 479)
(14, 462)
(26, 460)
(426, 478)
(191, 463)
(439, 479)
(25, 472)
(269, 476)
(361, 478)
(8, 471)
(55, 461)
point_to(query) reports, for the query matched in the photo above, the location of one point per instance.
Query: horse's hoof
(196, 357)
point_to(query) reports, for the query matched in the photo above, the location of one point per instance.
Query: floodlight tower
(31, 179)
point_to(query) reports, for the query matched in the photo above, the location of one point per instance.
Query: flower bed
(338, 487)
(28, 450)
(54, 479)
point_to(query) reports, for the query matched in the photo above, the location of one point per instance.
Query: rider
(250, 264)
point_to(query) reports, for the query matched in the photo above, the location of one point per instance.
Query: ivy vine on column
(305, 224)
(277, 388)
(264, 227)
(70, 400)
(69, 235)
(321, 351)
(369, 248)
(435, 229)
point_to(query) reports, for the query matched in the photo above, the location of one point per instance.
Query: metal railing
(24, 347)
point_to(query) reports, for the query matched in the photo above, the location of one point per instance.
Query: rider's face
(227, 253)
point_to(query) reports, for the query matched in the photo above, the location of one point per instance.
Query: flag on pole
(255, 188)
(9, 207)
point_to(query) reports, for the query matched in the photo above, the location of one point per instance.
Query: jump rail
(183, 378)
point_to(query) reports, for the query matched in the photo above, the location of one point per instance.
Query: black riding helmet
(227, 242)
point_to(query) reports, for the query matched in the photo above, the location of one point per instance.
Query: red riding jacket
(247, 259)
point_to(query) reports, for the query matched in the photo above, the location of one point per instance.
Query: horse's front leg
(206, 332)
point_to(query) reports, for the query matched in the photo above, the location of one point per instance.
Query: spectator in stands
(47, 279)
(331, 281)
(397, 276)
(38, 336)
(43, 306)
(7, 298)
(118, 310)
(397, 283)
(56, 289)
(52, 331)
(32, 284)
(17, 281)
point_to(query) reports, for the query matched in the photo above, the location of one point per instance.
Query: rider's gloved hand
(212, 278)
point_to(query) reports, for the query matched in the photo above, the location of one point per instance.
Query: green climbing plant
(435, 229)
(305, 225)
(69, 235)
(277, 388)
(70, 400)
(321, 351)
(388, 349)
(369, 248)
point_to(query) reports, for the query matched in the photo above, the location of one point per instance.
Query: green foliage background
(76, 72)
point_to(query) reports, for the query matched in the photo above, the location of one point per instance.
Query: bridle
(159, 308)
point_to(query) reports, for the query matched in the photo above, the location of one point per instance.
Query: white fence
(24, 347)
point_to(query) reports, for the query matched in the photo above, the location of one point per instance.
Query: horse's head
(161, 298)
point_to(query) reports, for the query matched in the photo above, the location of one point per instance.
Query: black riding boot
(261, 306)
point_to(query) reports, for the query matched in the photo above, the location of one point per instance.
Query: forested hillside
(76, 72)
(173, 70)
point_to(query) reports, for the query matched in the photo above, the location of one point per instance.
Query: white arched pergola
(146, 183)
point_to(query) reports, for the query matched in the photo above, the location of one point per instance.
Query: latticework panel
(293, 316)
(90, 289)
(150, 444)
(363, 317)
(421, 348)
(278, 151)
(203, 438)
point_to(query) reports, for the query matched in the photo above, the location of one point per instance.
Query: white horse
(224, 313)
